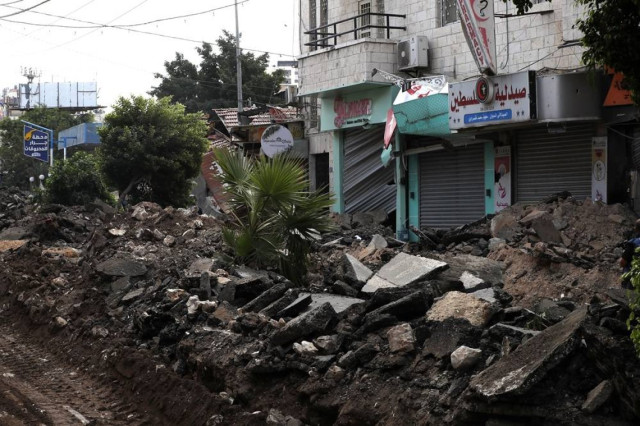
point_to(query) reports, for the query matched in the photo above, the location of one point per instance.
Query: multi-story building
(548, 125)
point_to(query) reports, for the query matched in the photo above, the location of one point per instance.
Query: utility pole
(30, 73)
(238, 66)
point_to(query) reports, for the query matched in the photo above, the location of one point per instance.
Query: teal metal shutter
(367, 184)
(452, 187)
(547, 163)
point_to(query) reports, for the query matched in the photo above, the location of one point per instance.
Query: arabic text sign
(478, 24)
(36, 143)
(511, 102)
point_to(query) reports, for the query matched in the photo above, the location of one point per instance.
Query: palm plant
(275, 217)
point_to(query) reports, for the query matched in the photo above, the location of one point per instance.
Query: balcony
(344, 53)
(354, 28)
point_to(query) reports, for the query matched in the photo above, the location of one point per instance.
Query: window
(324, 12)
(312, 21)
(448, 12)
(364, 7)
(313, 112)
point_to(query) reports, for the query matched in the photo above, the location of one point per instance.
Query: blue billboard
(36, 143)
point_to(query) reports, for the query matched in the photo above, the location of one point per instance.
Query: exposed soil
(156, 338)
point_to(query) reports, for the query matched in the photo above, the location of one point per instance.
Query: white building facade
(551, 125)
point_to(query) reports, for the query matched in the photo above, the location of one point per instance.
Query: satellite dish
(275, 140)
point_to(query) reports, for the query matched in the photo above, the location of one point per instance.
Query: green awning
(347, 88)
(427, 116)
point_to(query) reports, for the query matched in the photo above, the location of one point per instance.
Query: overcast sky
(123, 61)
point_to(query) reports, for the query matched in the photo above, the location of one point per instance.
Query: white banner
(478, 25)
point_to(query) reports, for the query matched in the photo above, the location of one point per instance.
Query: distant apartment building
(545, 126)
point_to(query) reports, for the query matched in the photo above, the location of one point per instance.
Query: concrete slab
(376, 283)
(356, 269)
(405, 269)
(339, 303)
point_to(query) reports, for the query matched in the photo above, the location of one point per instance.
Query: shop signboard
(478, 25)
(502, 184)
(495, 100)
(599, 169)
(276, 139)
(361, 108)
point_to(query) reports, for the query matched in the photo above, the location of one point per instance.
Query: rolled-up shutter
(547, 163)
(452, 187)
(367, 184)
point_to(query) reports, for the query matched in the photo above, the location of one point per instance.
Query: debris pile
(383, 333)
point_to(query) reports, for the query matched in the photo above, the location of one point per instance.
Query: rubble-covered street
(141, 317)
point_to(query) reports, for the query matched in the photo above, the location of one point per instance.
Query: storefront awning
(348, 88)
(426, 116)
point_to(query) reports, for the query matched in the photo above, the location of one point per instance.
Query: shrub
(76, 181)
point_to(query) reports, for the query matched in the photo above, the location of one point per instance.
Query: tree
(611, 30)
(212, 84)
(17, 166)
(633, 322)
(152, 148)
(275, 217)
(75, 181)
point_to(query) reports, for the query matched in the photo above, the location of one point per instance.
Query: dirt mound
(150, 299)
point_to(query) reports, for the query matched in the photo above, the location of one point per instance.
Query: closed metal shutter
(635, 146)
(452, 187)
(547, 163)
(367, 184)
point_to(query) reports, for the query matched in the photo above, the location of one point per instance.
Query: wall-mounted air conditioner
(413, 53)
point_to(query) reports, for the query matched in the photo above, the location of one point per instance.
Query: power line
(11, 2)
(25, 10)
(95, 26)
(91, 32)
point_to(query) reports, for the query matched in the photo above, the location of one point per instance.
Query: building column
(489, 177)
(413, 166)
(401, 189)
(338, 171)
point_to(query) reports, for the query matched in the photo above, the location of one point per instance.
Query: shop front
(356, 117)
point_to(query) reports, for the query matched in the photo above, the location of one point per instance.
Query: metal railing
(323, 35)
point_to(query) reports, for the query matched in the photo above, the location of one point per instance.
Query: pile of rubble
(383, 333)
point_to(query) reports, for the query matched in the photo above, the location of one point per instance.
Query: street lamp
(41, 177)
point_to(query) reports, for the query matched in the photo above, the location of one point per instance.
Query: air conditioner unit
(413, 53)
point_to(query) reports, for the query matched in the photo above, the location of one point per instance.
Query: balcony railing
(327, 35)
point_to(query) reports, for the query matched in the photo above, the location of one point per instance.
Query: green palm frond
(276, 217)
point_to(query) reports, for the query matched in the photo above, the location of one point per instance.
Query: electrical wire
(25, 10)
(95, 26)
(91, 32)
(11, 2)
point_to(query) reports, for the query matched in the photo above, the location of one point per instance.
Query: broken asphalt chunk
(518, 371)
(121, 268)
(315, 321)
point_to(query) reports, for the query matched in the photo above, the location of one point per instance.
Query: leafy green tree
(633, 322)
(152, 148)
(611, 30)
(19, 167)
(212, 84)
(275, 217)
(76, 181)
